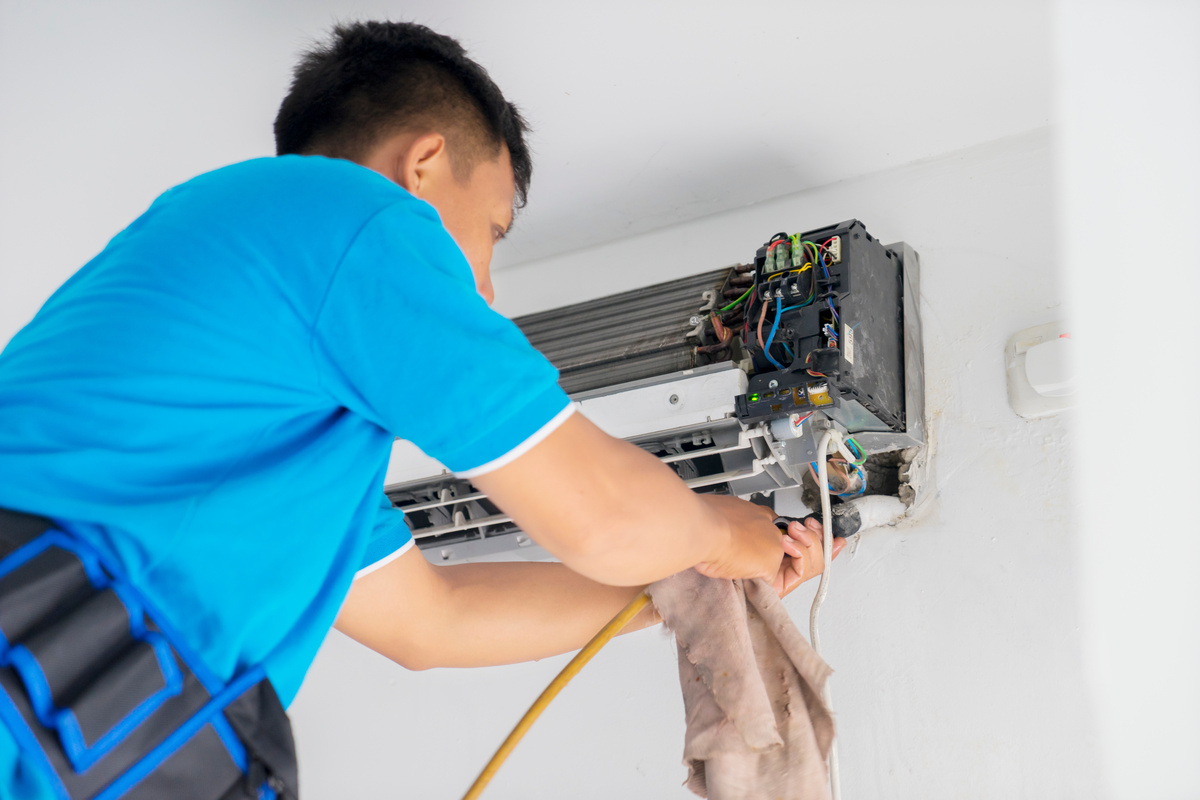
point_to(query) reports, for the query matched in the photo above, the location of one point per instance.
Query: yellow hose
(572, 669)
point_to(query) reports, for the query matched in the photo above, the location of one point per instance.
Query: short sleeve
(404, 339)
(390, 538)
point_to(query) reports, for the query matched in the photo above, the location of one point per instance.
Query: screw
(694, 320)
(674, 400)
(772, 384)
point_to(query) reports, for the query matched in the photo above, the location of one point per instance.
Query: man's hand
(805, 555)
(753, 546)
(756, 548)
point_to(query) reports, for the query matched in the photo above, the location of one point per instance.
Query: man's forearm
(607, 509)
(504, 613)
(474, 615)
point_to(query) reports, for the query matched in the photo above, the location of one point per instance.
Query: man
(205, 411)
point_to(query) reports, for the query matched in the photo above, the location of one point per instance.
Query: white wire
(831, 435)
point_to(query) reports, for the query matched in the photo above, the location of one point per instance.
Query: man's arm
(474, 615)
(607, 509)
(616, 514)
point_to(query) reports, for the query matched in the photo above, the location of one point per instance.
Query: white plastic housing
(1041, 370)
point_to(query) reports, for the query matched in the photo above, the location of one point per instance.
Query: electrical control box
(822, 323)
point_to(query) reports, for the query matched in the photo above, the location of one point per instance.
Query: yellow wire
(572, 669)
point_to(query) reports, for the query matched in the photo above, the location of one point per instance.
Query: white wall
(955, 640)
(1135, 178)
(103, 106)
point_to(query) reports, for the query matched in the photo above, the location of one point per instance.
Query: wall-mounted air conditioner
(727, 376)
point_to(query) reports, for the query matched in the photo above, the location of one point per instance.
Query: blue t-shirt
(212, 399)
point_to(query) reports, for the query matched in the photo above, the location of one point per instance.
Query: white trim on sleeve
(383, 562)
(524, 447)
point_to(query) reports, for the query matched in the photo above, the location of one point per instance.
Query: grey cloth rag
(757, 727)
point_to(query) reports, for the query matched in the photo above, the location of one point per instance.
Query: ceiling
(645, 113)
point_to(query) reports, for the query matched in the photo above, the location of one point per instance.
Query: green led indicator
(753, 398)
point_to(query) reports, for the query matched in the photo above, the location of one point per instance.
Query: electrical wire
(723, 333)
(844, 476)
(862, 477)
(858, 451)
(572, 669)
(830, 435)
(762, 318)
(820, 257)
(735, 303)
(807, 361)
(747, 311)
(774, 328)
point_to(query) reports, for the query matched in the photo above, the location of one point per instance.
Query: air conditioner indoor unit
(728, 376)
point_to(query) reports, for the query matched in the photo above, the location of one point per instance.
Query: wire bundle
(840, 468)
(806, 255)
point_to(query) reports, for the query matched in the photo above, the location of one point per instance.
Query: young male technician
(209, 405)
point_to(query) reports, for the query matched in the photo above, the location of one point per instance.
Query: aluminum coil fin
(623, 337)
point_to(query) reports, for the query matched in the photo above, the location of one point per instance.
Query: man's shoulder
(298, 186)
(303, 175)
(288, 207)
(296, 167)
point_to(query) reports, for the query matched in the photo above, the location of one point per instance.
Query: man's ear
(421, 163)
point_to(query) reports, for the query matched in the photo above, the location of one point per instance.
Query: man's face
(477, 213)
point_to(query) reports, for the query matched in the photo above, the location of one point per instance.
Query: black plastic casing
(865, 373)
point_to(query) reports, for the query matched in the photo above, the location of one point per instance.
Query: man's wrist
(719, 530)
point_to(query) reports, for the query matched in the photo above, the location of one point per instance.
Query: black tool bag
(92, 683)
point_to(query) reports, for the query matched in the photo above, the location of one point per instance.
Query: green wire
(858, 447)
(735, 302)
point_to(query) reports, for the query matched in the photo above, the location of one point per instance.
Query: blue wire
(825, 269)
(862, 490)
(775, 327)
(857, 469)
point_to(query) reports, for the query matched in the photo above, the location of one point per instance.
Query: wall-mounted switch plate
(1041, 370)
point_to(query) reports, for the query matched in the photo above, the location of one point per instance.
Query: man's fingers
(801, 564)
(800, 532)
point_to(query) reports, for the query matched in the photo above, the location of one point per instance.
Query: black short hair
(374, 79)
